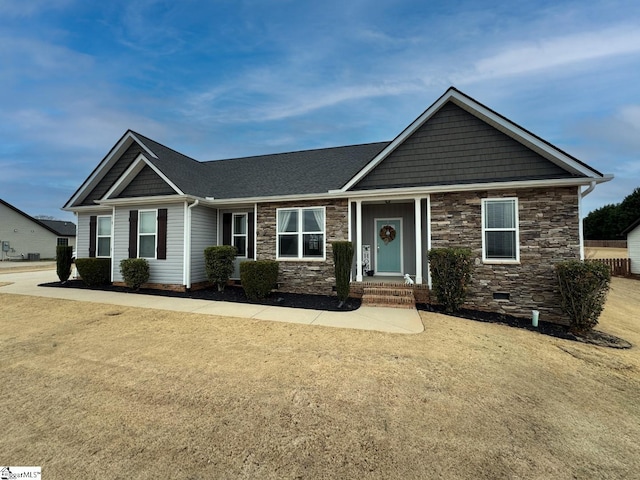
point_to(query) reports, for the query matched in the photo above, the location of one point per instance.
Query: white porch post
(418, 219)
(358, 240)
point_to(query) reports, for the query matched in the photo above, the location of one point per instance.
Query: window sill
(291, 259)
(501, 262)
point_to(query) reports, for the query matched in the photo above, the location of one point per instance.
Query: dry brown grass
(97, 391)
(605, 252)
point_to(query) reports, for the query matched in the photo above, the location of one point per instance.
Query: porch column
(358, 240)
(418, 219)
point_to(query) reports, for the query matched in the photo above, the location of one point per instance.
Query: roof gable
(456, 147)
(146, 183)
(544, 149)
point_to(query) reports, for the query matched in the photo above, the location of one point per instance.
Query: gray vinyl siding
(112, 176)
(146, 184)
(633, 249)
(204, 233)
(82, 244)
(169, 271)
(25, 236)
(455, 147)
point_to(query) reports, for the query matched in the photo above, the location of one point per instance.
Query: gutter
(187, 245)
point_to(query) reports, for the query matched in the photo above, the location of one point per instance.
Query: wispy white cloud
(557, 52)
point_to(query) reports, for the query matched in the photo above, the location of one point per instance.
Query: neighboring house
(25, 237)
(633, 245)
(459, 175)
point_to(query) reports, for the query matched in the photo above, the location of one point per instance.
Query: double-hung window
(500, 239)
(239, 233)
(301, 233)
(103, 234)
(147, 229)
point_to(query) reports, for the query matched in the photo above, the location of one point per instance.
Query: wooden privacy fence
(605, 243)
(620, 267)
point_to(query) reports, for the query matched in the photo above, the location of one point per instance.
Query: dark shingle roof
(64, 229)
(187, 174)
(292, 173)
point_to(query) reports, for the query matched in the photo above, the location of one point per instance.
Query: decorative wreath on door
(387, 234)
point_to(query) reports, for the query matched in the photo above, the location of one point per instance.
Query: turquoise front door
(388, 246)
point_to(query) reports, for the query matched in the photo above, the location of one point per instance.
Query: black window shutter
(250, 235)
(226, 228)
(133, 233)
(93, 232)
(162, 234)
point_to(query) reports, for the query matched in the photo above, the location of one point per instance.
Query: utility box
(5, 246)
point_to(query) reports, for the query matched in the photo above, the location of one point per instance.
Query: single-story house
(23, 237)
(633, 245)
(460, 174)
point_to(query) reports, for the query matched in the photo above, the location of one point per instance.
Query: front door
(388, 252)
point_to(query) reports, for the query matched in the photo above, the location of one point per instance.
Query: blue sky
(231, 78)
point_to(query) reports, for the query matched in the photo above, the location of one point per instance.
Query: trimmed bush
(135, 272)
(342, 260)
(218, 262)
(258, 278)
(64, 259)
(94, 271)
(450, 274)
(583, 288)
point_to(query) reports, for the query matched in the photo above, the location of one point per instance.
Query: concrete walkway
(393, 320)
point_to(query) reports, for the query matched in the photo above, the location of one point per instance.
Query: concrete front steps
(391, 295)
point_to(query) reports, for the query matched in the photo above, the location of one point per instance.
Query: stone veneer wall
(549, 233)
(303, 276)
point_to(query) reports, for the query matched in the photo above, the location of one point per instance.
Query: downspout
(187, 245)
(589, 189)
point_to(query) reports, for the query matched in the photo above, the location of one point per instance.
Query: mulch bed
(230, 294)
(594, 337)
(330, 304)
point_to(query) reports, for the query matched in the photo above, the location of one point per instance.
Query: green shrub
(94, 271)
(342, 259)
(450, 273)
(64, 259)
(135, 272)
(583, 288)
(258, 278)
(218, 261)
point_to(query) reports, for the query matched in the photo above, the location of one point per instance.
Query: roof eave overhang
(108, 204)
(411, 191)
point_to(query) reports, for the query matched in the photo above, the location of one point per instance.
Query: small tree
(258, 278)
(450, 274)
(64, 259)
(135, 272)
(583, 288)
(219, 264)
(342, 259)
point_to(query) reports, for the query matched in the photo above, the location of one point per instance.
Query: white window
(63, 242)
(147, 227)
(500, 238)
(301, 233)
(104, 236)
(239, 233)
